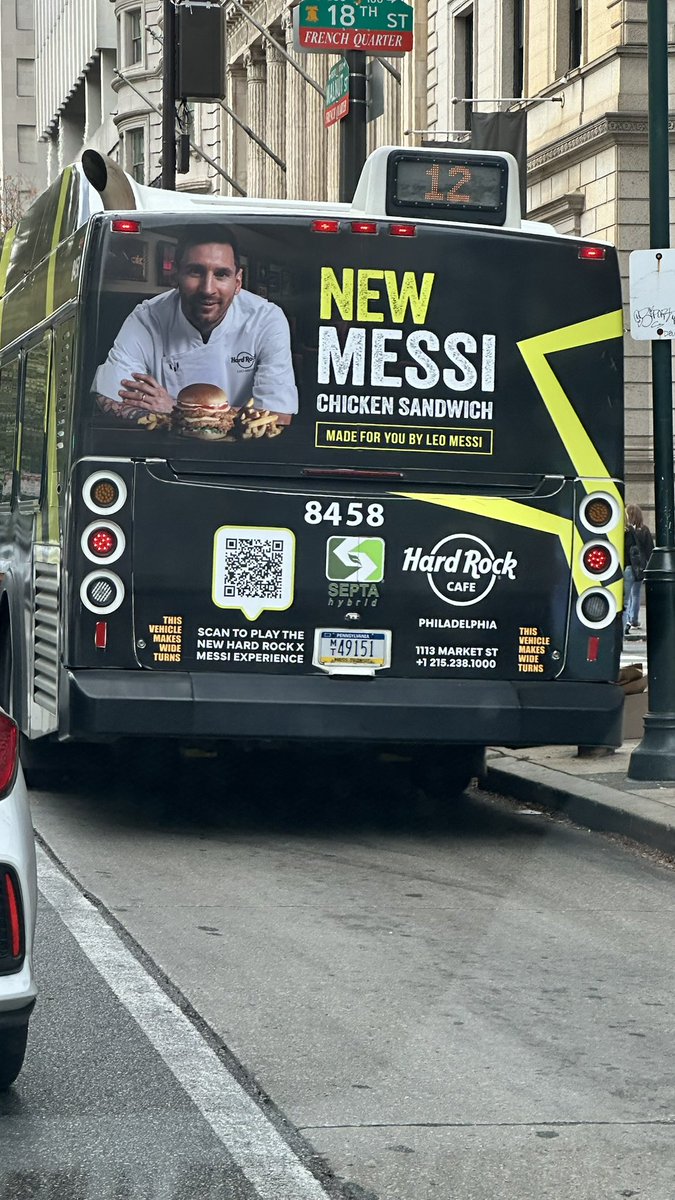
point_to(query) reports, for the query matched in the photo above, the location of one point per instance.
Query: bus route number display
(448, 185)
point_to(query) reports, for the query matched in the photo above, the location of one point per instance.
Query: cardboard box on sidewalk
(634, 709)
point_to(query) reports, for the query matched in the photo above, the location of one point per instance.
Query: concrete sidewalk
(594, 792)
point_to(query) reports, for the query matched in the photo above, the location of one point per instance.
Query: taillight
(325, 226)
(599, 512)
(364, 226)
(101, 592)
(596, 608)
(597, 559)
(9, 743)
(12, 939)
(401, 229)
(14, 918)
(125, 225)
(103, 541)
(104, 492)
(592, 253)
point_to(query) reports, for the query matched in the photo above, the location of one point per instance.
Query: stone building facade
(22, 171)
(581, 66)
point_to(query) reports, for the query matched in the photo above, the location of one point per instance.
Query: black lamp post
(654, 758)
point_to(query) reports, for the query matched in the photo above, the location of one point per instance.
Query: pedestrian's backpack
(638, 561)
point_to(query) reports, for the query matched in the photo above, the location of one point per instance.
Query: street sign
(652, 295)
(336, 99)
(324, 27)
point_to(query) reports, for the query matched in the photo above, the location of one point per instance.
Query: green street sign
(380, 28)
(336, 98)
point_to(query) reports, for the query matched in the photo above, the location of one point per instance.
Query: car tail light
(402, 230)
(593, 649)
(101, 635)
(9, 753)
(125, 225)
(592, 253)
(325, 226)
(12, 947)
(364, 226)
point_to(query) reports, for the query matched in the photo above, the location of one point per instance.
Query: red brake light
(597, 559)
(325, 226)
(399, 230)
(592, 253)
(124, 225)
(102, 542)
(101, 635)
(14, 917)
(364, 226)
(9, 742)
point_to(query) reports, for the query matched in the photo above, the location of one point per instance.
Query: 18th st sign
(381, 28)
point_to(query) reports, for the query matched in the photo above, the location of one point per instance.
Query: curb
(586, 803)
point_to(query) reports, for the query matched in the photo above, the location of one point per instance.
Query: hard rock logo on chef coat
(461, 569)
(244, 360)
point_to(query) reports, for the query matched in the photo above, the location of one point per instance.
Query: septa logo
(357, 559)
(461, 569)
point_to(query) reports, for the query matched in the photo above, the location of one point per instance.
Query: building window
(26, 143)
(518, 47)
(24, 14)
(576, 31)
(134, 46)
(25, 76)
(134, 144)
(464, 61)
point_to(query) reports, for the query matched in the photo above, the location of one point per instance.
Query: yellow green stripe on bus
(56, 237)
(579, 446)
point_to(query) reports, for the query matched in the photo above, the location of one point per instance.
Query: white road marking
(255, 1145)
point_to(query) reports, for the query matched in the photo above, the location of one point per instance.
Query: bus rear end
(427, 551)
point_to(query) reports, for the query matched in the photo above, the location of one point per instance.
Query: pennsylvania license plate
(352, 649)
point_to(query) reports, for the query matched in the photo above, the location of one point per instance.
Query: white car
(18, 906)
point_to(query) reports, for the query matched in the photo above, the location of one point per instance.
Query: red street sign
(369, 40)
(336, 112)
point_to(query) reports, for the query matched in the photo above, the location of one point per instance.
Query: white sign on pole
(652, 295)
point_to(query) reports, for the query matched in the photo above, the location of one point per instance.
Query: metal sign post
(654, 758)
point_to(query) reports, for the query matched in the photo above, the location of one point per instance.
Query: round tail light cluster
(599, 513)
(103, 541)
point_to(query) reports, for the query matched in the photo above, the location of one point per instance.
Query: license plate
(352, 649)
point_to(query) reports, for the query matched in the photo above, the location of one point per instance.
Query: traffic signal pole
(654, 758)
(353, 127)
(169, 97)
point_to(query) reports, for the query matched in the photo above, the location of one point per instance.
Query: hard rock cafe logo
(244, 360)
(461, 569)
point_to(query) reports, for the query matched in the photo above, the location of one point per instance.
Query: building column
(237, 142)
(275, 128)
(317, 141)
(256, 159)
(295, 120)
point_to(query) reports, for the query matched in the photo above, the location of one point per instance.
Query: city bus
(375, 496)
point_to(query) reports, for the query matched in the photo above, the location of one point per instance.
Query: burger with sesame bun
(203, 411)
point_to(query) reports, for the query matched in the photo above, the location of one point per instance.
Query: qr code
(253, 567)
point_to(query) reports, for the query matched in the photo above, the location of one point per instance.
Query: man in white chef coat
(206, 330)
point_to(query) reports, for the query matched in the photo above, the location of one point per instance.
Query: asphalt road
(399, 998)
